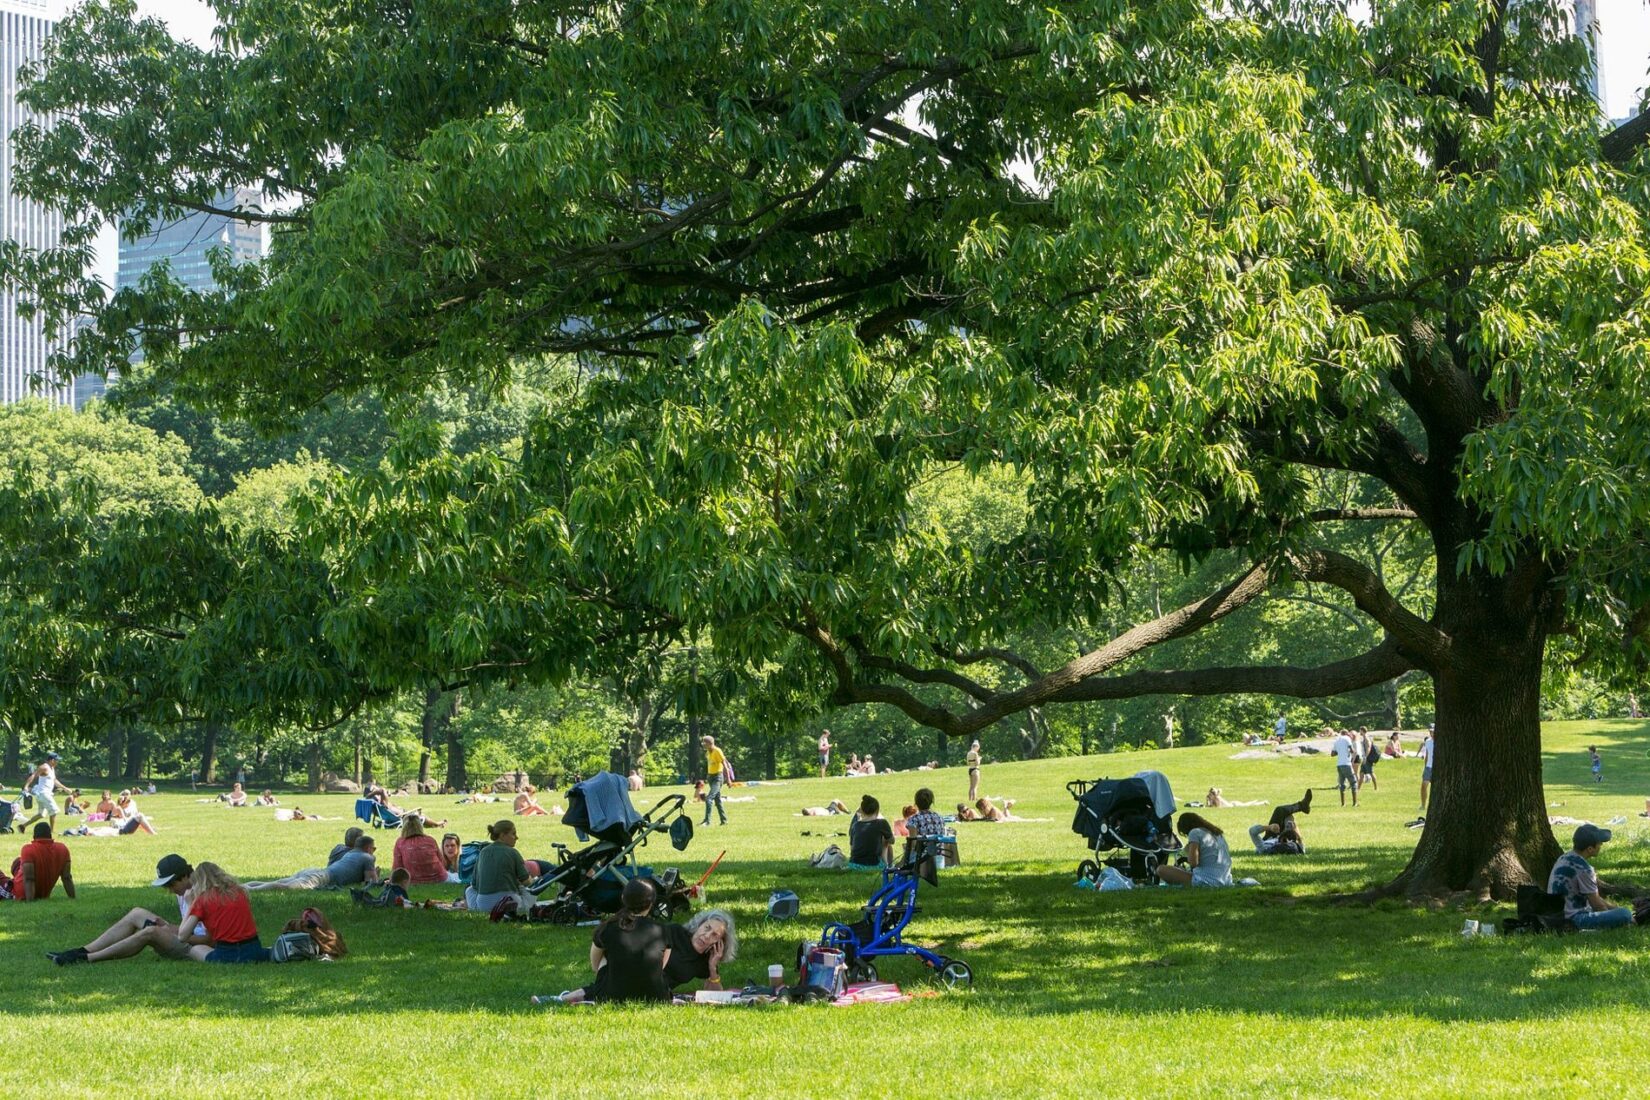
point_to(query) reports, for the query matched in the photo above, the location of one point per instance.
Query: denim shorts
(247, 951)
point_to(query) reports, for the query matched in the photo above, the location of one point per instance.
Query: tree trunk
(1389, 698)
(458, 777)
(355, 761)
(1486, 830)
(770, 760)
(117, 751)
(427, 725)
(137, 744)
(366, 768)
(315, 767)
(209, 750)
(14, 755)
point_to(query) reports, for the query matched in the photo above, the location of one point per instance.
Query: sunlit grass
(1272, 991)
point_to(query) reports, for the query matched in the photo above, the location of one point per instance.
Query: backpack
(293, 947)
(314, 924)
(831, 859)
(467, 859)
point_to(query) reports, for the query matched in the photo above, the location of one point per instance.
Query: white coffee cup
(776, 975)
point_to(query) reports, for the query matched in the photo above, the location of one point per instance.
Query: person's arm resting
(68, 881)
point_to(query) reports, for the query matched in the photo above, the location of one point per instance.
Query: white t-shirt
(1426, 751)
(184, 902)
(1343, 751)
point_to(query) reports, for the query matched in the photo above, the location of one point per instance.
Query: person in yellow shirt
(716, 763)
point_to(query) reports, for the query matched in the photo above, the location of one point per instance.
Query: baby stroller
(588, 882)
(8, 813)
(1131, 815)
(881, 930)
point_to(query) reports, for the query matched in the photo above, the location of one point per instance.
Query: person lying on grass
(217, 926)
(1573, 876)
(870, 838)
(990, 811)
(350, 869)
(697, 951)
(836, 806)
(1280, 836)
(1209, 861)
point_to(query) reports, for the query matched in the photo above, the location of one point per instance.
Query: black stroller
(1129, 815)
(588, 883)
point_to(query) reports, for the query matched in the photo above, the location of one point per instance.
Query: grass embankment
(1248, 992)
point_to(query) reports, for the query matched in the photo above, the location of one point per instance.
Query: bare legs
(162, 938)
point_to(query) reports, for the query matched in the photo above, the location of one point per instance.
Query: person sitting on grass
(127, 818)
(451, 849)
(925, 822)
(219, 907)
(500, 872)
(268, 799)
(1394, 746)
(527, 803)
(350, 869)
(836, 806)
(393, 895)
(41, 865)
(870, 838)
(72, 804)
(175, 876)
(697, 951)
(899, 825)
(1209, 861)
(418, 854)
(631, 950)
(236, 796)
(1280, 836)
(1573, 876)
(104, 809)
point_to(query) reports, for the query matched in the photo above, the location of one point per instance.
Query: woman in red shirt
(418, 852)
(223, 909)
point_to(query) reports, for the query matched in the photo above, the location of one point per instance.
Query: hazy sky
(1624, 42)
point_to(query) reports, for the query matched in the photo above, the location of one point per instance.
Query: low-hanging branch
(1410, 643)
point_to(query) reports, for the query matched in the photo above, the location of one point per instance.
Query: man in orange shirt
(41, 864)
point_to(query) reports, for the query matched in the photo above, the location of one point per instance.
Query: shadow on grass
(1037, 947)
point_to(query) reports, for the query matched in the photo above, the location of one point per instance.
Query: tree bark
(209, 750)
(1486, 831)
(14, 754)
(1389, 698)
(137, 745)
(458, 776)
(315, 767)
(117, 751)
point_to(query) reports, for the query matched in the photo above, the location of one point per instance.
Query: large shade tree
(1162, 261)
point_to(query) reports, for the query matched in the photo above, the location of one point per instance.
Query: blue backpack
(467, 859)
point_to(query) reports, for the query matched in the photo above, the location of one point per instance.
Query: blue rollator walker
(890, 909)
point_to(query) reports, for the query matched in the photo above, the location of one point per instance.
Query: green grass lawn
(1274, 991)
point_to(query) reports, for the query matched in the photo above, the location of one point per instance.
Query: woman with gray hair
(697, 950)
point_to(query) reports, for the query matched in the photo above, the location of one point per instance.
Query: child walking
(1598, 764)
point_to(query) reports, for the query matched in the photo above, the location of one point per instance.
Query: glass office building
(24, 26)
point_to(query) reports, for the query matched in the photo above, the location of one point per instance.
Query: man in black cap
(42, 785)
(1574, 877)
(143, 928)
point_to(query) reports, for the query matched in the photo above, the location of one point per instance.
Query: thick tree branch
(1428, 646)
(1365, 670)
(1330, 515)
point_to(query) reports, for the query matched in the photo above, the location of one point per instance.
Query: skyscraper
(183, 243)
(1586, 28)
(24, 25)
